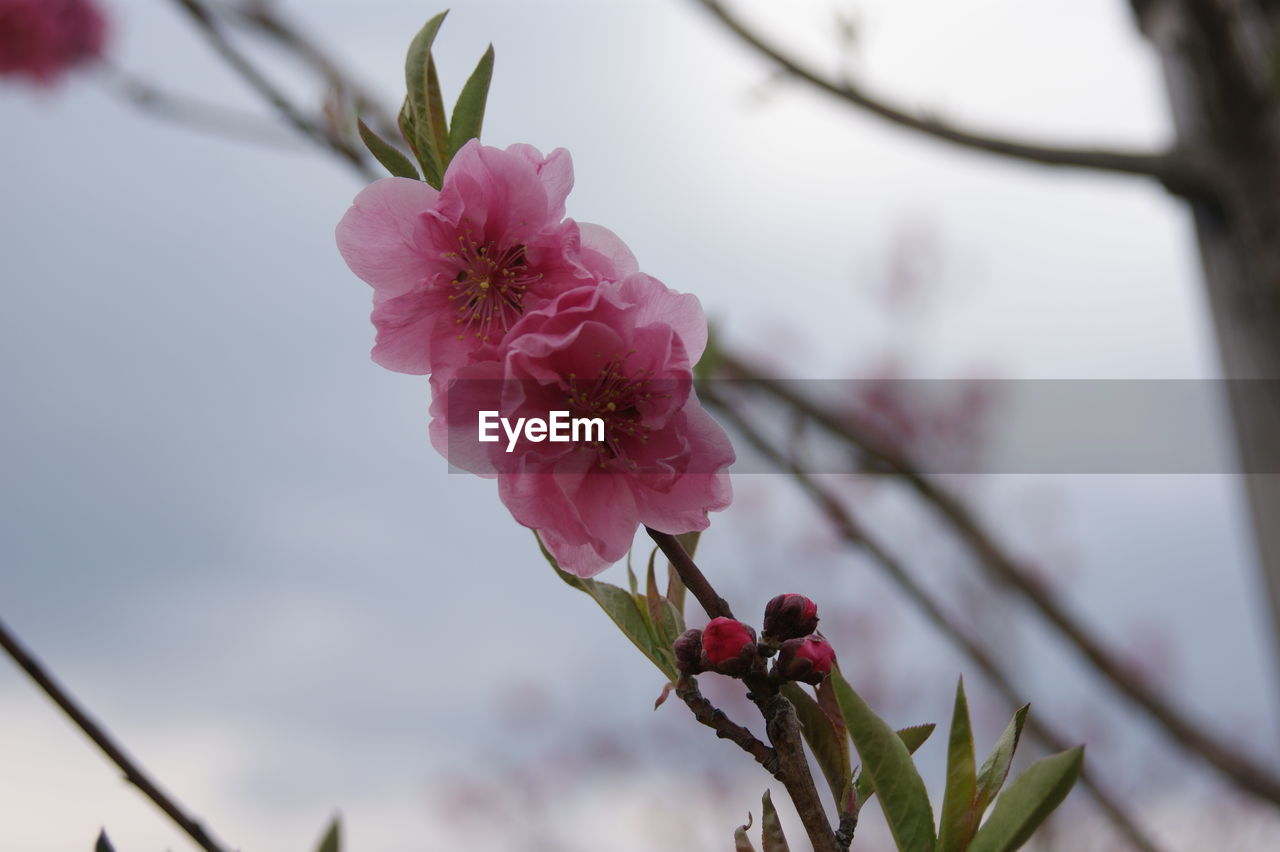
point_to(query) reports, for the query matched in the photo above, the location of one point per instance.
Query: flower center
(488, 289)
(614, 394)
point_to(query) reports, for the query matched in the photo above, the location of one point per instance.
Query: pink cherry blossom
(42, 39)
(725, 640)
(453, 271)
(620, 351)
(808, 659)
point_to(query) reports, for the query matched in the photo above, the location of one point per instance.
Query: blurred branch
(853, 533)
(198, 114)
(132, 772)
(263, 17)
(1174, 170)
(1246, 774)
(209, 25)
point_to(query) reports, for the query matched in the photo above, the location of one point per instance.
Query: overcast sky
(223, 526)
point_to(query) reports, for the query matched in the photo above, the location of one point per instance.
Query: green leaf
(392, 160)
(675, 588)
(996, 767)
(624, 609)
(1028, 802)
(437, 123)
(742, 843)
(332, 840)
(430, 171)
(912, 737)
(417, 110)
(830, 746)
(103, 844)
(668, 624)
(771, 828)
(887, 764)
(959, 817)
(468, 112)
(631, 577)
(916, 735)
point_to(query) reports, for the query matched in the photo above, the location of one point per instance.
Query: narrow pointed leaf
(887, 765)
(742, 843)
(996, 767)
(437, 123)
(771, 828)
(468, 112)
(959, 817)
(103, 844)
(332, 841)
(667, 623)
(415, 117)
(916, 735)
(631, 576)
(675, 588)
(1027, 803)
(392, 160)
(912, 737)
(625, 610)
(830, 746)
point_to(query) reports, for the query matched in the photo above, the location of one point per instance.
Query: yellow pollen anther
(611, 407)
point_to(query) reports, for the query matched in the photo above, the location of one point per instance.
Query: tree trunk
(1220, 61)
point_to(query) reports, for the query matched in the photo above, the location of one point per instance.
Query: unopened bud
(729, 646)
(809, 659)
(789, 617)
(688, 650)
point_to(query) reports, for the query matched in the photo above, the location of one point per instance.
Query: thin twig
(854, 534)
(133, 773)
(265, 18)
(692, 577)
(1244, 773)
(1170, 168)
(198, 114)
(207, 23)
(789, 764)
(711, 716)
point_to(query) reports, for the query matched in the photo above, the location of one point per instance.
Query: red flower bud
(790, 617)
(729, 646)
(809, 659)
(688, 650)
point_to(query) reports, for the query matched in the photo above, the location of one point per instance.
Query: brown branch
(193, 112)
(692, 576)
(265, 18)
(786, 760)
(784, 732)
(208, 24)
(711, 716)
(851, 531)
(1171, 168)
(1244, 773)
(133, 773)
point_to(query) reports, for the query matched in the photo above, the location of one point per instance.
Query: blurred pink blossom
(619, 351)
(43, 39)
(454, 270)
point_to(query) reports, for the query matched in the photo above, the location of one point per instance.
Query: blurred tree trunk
(1221, 60)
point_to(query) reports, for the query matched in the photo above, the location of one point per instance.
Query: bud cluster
(729, 647)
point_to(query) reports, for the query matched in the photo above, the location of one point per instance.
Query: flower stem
(692, 577)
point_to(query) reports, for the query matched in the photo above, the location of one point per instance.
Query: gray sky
(223, 526)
